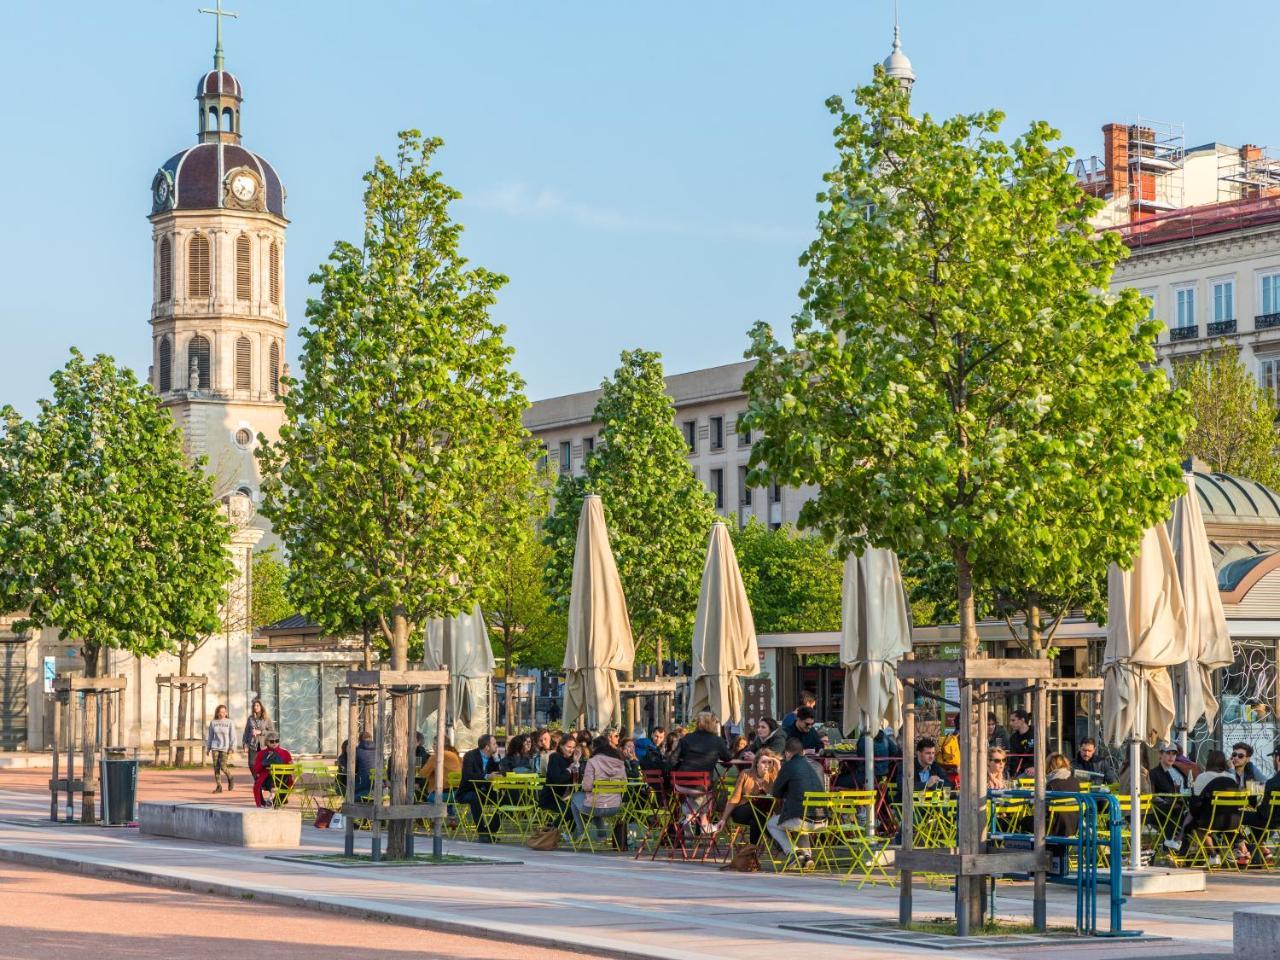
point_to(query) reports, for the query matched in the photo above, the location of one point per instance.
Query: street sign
(50, 671)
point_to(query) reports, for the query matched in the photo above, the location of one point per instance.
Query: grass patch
(946, 926)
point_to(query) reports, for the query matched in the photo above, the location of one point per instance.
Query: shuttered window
(198, 351)
(166, 270)
(275, 368)
(275, 273)
(244, 269)
(166, 365)
(244, 364)
(198, 266)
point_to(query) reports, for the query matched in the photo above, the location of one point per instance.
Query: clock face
(160, 191)
(244, 187)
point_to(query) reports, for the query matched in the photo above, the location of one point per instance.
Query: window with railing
(1185, 299)
(1269, 377)
(1224, 308)
(1269, 300)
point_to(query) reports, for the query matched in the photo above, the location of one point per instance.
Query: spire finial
(897, 43)
(896, 65)
(218, 13)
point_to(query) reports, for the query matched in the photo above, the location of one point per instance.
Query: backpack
(949, 751)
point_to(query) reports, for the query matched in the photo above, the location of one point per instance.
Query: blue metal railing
(1085, 844)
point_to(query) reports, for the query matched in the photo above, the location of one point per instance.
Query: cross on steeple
(219, 13)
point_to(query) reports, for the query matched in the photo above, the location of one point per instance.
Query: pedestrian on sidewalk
(221, 743)
(257, 729)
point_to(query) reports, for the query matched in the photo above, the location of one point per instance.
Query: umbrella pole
(1135, 806)
(869, 775)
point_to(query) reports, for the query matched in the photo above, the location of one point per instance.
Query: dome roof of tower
(219, 81)
(195, 179)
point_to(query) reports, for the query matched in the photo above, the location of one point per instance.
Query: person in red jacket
(263, 788)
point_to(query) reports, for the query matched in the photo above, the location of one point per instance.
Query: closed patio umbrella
(875, 632)
(1208, 642)
(599, 642)
(461, 645)
(1146, 634)
(724, 634)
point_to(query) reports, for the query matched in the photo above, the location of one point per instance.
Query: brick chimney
(1115, 155)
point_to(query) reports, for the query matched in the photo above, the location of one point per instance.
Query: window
(744, 491)
(1269, 377)
(566, 456)
(198, 364)
(744, 434)
(690, 430)
(717, 433)
(244, 269)
(166, 270)
(588, 447)
(198, 266)
(1151, 310)
(1224, 300)
(1270, 293)
(1185, 298)
(716, 483)
(244, 436)
(244, 364)
(275, 369)
(166, 365)
(775, 492)
(275, 273)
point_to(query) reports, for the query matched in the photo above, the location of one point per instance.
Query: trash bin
(119, 791)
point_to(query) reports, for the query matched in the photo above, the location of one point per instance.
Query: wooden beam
(398, 678)
(975, 669)
(1073, 684)
(104, 684)
(953, 863)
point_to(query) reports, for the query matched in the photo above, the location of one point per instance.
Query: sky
(644, 173)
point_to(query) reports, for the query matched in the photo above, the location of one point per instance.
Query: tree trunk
(398, 830)
(1035, 633)
(92, 654)
(657, 647)
(180, 731)
(366, 711)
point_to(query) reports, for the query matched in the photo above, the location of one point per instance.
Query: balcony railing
(1183, 333)
(1265, 321)
(1219, 328)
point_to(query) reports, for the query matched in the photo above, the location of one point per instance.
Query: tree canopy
(269, 601)
(659, 514)
(1235, 418)
(793, 581)
(107, 532)
(957, 383)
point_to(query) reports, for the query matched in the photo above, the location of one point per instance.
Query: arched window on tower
(228, 120)
(244, 268)
(275, 369)
(166, 270)
(166, 365)
(244, 364)
(198, 364)
(275, 273)
(198, 266)
(213, 119)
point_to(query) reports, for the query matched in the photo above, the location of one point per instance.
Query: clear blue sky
(643, 172)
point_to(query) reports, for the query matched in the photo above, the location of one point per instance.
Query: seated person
(562, 770)
(997, 736)
(1089, 760)
(807, 699)
(1059, 777)
(1242, 765)
(627, 749)
(929, 774)
(519, 757)
(769, 736)
(340, 778)
(1261, 821)
(366, 757)
(749, 789)
(700, 752)
(739, 748)
(1217, 778)
(263, 785)
(796, 777)
(1167, 783)
(479, 766)
(655, 757)
(605, 764)
(652, 743)
(803, 729)
(426, 775)
(997, 765)
(419, 750)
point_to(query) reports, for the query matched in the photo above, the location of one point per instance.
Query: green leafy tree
(958, 384)
(269, 601)
(107, 532)
(659, 515)
(404, 423)
(1235, 430)
(793, 581)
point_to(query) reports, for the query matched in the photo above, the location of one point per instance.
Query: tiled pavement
(600, 905)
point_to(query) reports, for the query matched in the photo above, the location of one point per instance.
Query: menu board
(757, 696)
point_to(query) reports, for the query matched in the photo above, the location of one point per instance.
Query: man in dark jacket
(929, 774)
(997, 736)
(803, 729)
(478, 767)
(365, 759)
(1022, 743)
(796, 778)
(1262, 819)
(1090, 761)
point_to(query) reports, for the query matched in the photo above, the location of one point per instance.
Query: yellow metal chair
(852, 815)
(284, 777)
(598, 808)
(815, 832)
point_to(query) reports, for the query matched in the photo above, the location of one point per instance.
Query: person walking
(221, 744)
(257, 729)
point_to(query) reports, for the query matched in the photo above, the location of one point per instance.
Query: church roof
(219, 82)
(198, 173)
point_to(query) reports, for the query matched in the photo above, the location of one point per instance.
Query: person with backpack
(264, 789)
(256, 729)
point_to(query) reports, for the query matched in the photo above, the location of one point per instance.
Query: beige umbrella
(875, 633)
(599, 642)
(461, 645)
(1208, 642)
(724, 634)
(1146, 634)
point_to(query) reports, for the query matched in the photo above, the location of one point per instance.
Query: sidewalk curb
(523, 937)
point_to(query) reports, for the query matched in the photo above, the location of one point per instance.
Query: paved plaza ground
(595, 905)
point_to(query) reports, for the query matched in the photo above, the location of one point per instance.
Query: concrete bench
(1256, 933)
(233, 826)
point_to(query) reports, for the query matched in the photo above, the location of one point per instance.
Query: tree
(404, 423)
(526, 627)
(793, 581)
(958, 384)
(659, 515)
(1235, 429)
(269, 600)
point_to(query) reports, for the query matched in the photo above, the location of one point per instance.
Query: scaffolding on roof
(1156, 151)
(1248, 173)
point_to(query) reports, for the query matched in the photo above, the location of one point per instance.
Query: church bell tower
(218, 315)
